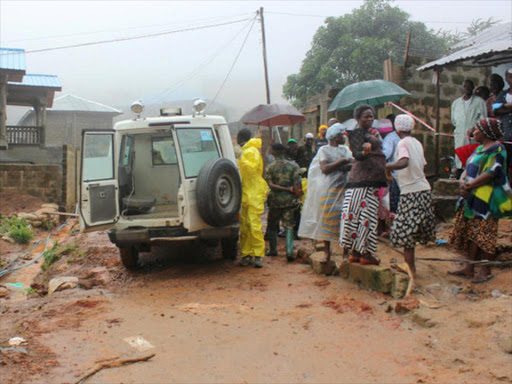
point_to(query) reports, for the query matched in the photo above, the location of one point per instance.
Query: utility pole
(264, 45)
(406, 55)
(437, 73)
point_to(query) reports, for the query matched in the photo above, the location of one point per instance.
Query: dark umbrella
(373, 92)
(271, 115)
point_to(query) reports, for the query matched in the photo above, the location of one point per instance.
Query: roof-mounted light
(199, 107)
(170, 111)
(137, 107)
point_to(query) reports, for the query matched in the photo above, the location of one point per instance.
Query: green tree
(479, 25)
(353, 48)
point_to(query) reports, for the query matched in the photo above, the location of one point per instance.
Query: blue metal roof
(12, 59)
(35, 80)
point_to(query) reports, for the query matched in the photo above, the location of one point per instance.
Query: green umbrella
(373, 92)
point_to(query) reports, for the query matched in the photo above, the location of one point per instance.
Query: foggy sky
(118, 73)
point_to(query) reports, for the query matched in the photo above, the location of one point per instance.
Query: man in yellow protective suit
(254, 193)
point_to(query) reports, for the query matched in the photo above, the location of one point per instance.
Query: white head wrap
(335, 130)
(404, 123)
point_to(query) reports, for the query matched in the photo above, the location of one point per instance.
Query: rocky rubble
(44, 215)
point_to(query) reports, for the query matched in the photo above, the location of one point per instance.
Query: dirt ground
(15, 203)
(215, 321)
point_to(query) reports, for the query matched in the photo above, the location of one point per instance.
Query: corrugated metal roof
(493, 46)
(75, 103)
(12, 59)
(37, 80)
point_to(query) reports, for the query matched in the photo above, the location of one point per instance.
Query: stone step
(376, 278)
(446, 187)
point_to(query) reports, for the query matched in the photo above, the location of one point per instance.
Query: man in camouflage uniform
(305, 152)
(284, 180)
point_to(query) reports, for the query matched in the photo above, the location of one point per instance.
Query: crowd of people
(475, 104)
(329, 190)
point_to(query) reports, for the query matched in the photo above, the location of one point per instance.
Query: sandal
(460, 273)
(482, 279)
(353, 259)
(369, 260)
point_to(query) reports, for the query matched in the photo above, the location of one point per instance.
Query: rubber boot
(272, 243)
(290, 237)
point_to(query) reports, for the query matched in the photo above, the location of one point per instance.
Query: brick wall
(43, 181)
(422, 101)
(53, 183)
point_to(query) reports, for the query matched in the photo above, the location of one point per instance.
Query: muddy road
(217, 322)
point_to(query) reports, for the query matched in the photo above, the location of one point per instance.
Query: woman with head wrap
(327, 177)
(414, 221)
(321, 140)
(485, 197)
(504, 113)
(358, 230)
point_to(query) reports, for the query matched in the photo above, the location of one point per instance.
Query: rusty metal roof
(491, 47)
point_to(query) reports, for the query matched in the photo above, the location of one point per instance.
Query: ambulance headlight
(137, 107)
(199, 106)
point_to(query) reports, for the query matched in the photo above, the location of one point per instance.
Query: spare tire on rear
(219, 192)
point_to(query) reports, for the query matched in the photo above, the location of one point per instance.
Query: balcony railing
(23, 135)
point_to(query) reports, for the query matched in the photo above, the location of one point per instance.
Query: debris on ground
(114, 364)
(506, 343)
(94, 277)
(61, 283)
(139, 343)
(15, 341)
(4, 292)
(407, 305)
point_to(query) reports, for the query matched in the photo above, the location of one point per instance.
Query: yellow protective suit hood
(254, 187)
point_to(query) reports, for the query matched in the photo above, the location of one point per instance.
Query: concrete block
(450, 91)
(431, 89)
(316, 260)
(416, 87)
(343, 269)
(447, 128)
(458, 80)
(371, 277)
(430, 101)
(445, 103)
(399, 287)
(425, 75)
(446, 187)
(443, 78)
(444, 206)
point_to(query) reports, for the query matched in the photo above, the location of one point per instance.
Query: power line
(133, 37)
(123, 29)
(234, 62)
(326, 16)
(203, 64)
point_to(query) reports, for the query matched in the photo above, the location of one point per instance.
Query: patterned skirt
(358, 227)
(394, 196)
(414, 222)
(484, 233)
(330, 202)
